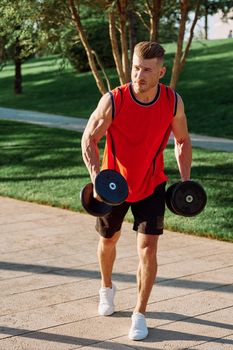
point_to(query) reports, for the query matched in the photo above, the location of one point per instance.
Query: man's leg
(146, 274)
(109, 228)
(147, 268)
(106, 255)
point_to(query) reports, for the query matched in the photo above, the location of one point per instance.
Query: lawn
(205, 85)
(44, 165)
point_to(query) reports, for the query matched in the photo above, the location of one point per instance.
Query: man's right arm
(183, 147)
(98, 123)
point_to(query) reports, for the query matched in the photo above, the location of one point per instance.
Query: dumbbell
(110, 186)
(187, 198)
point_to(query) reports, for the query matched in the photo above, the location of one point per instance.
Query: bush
(98, 37)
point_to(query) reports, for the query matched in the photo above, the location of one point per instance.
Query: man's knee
(147, 246)
(111, 241)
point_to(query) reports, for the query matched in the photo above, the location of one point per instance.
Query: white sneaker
(138, 330)
(106, 304)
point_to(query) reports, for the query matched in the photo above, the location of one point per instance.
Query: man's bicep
(100, 120)
(179, 123)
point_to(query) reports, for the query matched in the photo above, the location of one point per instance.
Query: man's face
(146, 73)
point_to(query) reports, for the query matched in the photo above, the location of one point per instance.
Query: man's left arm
(183, 148)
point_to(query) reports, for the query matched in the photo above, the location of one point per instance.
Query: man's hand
(95, 194)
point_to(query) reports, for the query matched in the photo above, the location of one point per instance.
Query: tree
(113, 9)
(122, 11)
(154, 11)
(180, 56)
(185, 7)
(90, 55)
(50, 20)
(118, 18)
(17, 34)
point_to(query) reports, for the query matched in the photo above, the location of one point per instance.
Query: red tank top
(137, 136)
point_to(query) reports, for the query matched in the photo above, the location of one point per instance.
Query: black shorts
(148, 215)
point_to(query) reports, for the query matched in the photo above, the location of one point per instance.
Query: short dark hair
(149, 49)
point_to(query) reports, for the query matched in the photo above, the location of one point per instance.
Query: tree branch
(115, 48)
(177, 60)
(91, 60)
(185, 54)
(142, 20)
(102, 69)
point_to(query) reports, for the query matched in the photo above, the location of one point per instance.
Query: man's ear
(162, 72)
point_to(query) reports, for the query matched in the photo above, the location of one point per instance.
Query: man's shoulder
(166, 87)
(120, 89)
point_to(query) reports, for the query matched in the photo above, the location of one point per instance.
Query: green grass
(205, 85)
(44, 165)
(47, 88)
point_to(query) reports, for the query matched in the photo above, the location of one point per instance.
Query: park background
(44, 68)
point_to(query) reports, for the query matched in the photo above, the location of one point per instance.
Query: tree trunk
(183, 59)
(18, 73)
(122, 4)
(84, 40)
(18, 77)
(132, 32)
(115, 48)
(206, 20)
(177, 60)
(154, 13)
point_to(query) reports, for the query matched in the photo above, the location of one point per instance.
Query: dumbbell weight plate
(168, 197)
(188, 198)
(111, 186)
(92, 205)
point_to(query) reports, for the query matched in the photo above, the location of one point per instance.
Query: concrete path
(50, 280)
(78, 124)
(49, 120)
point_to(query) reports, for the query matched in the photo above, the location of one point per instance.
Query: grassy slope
(45, 166)
(205, 85)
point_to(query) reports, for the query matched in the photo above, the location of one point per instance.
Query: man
(137, 119)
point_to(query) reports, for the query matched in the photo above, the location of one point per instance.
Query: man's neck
(147, 96)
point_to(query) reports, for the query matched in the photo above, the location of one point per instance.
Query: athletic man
(137, 119)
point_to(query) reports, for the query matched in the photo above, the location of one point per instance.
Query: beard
(141, 87)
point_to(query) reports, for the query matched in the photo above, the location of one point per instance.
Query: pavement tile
(225, 343)
(109, 345)
(186, 331)
(50, 280)
(68, 336)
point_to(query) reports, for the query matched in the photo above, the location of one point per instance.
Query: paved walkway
(49, 286)
(49, 120)
(79, 124)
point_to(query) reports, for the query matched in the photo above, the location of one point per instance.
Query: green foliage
(205, 86)
(61, 37)
(213, 6)
(98, 37)
(168, 24)
(54, 24)
(17, 28)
